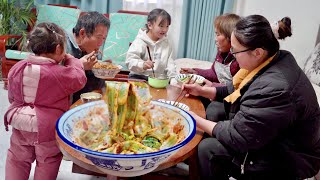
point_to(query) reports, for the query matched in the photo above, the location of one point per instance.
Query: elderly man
(87, 37)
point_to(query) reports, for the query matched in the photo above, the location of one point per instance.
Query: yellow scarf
(242, 77)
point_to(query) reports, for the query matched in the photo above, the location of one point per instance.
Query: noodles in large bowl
(128, 136)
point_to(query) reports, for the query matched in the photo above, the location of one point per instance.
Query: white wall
(305, 21)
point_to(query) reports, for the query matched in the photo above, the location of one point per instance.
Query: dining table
(189, 151)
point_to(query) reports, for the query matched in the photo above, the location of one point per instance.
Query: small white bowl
(183, 78)
(90, 96)
(104, 73)
(180, 105)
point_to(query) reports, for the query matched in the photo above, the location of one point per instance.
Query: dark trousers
(216, 162)
(215, 111)
(205, 101)
(214, 159)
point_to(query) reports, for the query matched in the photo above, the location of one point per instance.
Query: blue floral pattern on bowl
(122, 165)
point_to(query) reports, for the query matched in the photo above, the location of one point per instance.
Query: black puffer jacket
(276, 121)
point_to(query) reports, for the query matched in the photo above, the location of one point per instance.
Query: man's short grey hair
(90, 21)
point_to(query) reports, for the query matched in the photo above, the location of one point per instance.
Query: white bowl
(125, 165)
(104, 73)
(180, 105)
(183, 78)
(90, 96)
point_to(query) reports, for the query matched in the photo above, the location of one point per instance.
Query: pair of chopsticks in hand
(95, 54)
(183, 92)
(151, 60)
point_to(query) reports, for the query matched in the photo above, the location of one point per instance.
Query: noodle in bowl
(125, 165)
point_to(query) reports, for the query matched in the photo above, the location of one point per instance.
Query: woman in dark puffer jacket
(271, 125)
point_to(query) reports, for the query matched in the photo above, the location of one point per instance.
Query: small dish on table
(105, 70)
(90, 96)
(184, 78)
(179, 105)
(160, 81)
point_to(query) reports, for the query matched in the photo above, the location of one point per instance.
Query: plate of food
(179, 105)
(184, 78)
(104, 69)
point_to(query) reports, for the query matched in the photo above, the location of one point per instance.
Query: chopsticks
(96, 53)
(181, 95)
(125, 79)
(151, 60)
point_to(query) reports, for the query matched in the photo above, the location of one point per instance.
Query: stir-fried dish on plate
(129, 124)
(105, 65)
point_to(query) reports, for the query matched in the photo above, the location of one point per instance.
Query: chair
(64, 16)
(124, 29)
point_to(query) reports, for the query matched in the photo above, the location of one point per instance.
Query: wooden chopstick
(176, 101)
(95, 54)
(151, 60)
(124, 79)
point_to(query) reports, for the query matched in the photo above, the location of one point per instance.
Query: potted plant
(15, 18)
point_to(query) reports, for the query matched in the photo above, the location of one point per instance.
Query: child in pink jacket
(39, 90)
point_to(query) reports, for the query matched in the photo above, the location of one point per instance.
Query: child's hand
(89, 60)
(148, 64)
(68, 56)
(66, 59)
(188, 71)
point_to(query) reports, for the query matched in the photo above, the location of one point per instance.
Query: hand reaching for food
(192, 89)
(67, 58)
(187, 71)
(89, 60)
(208, 83)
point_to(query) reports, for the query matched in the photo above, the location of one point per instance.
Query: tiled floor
(65, 168)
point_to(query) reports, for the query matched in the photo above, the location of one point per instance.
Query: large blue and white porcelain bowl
(123, 165)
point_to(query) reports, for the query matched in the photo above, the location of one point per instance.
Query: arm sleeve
(224, 91)
(72, 75)
(10, 96)
(134, 56)
(209, 74)
(171, 66)
(221, 93)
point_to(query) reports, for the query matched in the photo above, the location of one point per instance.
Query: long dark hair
(255, 32)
